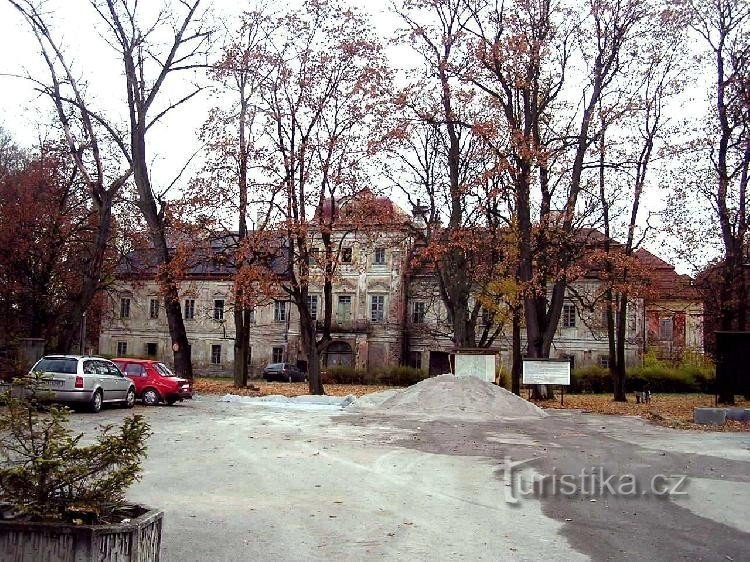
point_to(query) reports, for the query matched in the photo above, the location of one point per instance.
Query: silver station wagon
(84, 381)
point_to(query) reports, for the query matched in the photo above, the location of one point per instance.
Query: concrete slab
(738, 414)
(710, 416)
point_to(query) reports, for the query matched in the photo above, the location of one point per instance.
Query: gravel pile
(448, 396)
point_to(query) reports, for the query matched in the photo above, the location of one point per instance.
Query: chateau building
(382, 314)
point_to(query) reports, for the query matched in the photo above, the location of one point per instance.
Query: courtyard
(240, 481)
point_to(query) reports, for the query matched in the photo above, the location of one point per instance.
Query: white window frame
(122, 348)
(379, 253)
(214, 359)
(339, 315)
(280, 313)
(125, 307)
(568, 315)
(377, 311)
(219, 309)
(312, 306)
(188, 312)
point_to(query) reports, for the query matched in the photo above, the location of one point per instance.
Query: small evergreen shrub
(46, 474)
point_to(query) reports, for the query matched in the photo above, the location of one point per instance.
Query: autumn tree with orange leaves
(46, 241)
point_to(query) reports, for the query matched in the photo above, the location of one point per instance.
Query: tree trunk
(619, 374)
(516, 371)
(183, 364)
(241, 345)
(310, 345)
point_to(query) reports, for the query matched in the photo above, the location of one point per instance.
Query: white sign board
(546, 371)
(473, 365)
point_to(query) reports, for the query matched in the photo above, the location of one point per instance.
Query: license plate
(53, 383)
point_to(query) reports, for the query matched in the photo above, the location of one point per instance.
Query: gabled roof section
(664, 281)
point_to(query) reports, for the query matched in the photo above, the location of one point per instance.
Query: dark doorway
(440, 363)
(150, 349)
(339, 354)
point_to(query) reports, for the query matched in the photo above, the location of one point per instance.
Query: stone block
(738, 414)
(710, 416)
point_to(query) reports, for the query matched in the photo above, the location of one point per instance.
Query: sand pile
(447, 396)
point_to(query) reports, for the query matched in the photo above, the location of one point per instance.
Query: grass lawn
(671, 410)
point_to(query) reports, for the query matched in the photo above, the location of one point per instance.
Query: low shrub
(656, 376)
(391, 376)
(346, 375)
(590, 379)
(400, 376)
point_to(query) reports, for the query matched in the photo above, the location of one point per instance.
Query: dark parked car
(285, 372)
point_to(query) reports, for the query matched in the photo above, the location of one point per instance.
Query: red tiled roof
(664, 281)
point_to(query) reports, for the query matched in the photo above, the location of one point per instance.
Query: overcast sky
(24, 113)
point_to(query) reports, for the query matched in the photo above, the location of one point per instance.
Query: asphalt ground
(250, 482)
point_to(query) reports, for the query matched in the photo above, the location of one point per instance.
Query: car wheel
(151, 397)
(130, 398)
(95, 406)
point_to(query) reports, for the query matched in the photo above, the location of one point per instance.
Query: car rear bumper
(77, 395)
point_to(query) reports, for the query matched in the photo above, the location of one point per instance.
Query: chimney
(419, 212)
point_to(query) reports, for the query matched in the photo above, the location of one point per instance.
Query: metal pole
(83, 333)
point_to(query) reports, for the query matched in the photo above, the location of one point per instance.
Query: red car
(154, 382)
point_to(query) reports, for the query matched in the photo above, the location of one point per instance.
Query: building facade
(382, 315)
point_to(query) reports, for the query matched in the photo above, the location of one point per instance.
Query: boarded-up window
(666, 328)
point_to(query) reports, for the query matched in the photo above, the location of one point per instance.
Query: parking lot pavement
(242, 482)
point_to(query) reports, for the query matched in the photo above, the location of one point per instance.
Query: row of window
(344, 312)
(280, 311)
(277, 353)
(378, 255)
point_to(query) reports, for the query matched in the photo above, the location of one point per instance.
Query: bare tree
(524, 51)
(147, 63)
(231, 138)
(724, 25)
(324, 81)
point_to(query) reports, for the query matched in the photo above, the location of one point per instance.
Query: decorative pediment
(379, 285)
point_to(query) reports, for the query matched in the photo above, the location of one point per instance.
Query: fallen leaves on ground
(289, 389)
(670, 410)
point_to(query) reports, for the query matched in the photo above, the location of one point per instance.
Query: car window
(89, 368)
(163, 370)
(65, 365)
(102, 368)
(134, 370)
(112, 369)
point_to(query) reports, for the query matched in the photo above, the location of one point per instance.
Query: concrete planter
(139, 540)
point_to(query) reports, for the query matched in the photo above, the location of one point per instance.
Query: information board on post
(481, 366)
(546, 371)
